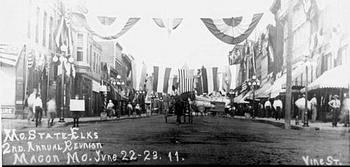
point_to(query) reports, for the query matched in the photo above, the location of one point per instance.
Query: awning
(9, 54)
(262, 92)
(337, 77)
(276, 88)
(115, 94)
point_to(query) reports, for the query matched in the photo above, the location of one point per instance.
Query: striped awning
(9, 54)
(337, 77)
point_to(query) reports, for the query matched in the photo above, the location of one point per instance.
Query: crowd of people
(273, 108)
(33, 106)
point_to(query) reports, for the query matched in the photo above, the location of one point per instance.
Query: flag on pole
(229, 30)
(235, 55)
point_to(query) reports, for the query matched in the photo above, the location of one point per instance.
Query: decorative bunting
(98, 26)
(230, 31)
(169, 24)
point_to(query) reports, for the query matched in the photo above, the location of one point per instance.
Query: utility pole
(289, 66)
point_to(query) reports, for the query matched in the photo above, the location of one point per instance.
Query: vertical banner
(226, 79)
(204, 80)
(160, 79)
(134, 75)
(215, 79)
(199, 86)
(143, 76)
(210, 80)
(155, 78)
(166, 80)
(234, 70)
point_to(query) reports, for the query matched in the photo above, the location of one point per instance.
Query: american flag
(186, 80)
(9, 54)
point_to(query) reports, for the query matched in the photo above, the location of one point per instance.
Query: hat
(335, 96)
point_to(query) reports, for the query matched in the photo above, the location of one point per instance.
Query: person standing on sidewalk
(110, 109)
(277, 105)
(267, 106)
(313, 102)
(345, 110)
(38, 106)
(335, 106)
(51, 110)
(31, 100)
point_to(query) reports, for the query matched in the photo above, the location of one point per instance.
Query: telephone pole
(289, 66)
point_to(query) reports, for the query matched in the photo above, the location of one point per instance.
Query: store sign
(95, 86)
(77, 105)
(8, 109)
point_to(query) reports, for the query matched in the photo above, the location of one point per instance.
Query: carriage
(187, 106)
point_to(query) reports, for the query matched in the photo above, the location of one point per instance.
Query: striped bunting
(232, 30)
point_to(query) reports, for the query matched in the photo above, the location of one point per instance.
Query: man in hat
(268, 108)
(313, 102)
(277, 105)
(335, 106)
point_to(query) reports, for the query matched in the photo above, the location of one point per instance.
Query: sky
(191, 43)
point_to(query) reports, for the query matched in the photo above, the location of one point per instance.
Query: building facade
(32, 28)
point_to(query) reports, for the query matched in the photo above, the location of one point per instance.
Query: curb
(278, 124)
(99, 120)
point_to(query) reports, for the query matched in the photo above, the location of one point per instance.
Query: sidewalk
(21, 124)
(312, 126)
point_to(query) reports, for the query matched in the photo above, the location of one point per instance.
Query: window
(79, 54)
(44, 29)
(94, 61)
(343, 55)
(37, 25)
(51, 33)
(90, 54)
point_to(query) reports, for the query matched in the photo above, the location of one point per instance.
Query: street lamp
(306, 119)
(254, 83)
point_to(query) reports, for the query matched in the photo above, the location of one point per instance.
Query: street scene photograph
(161, 82)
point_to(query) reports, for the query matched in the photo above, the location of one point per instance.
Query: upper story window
(37, 25)
(80, 51)
(44, 29)
(79, 54)
(51, 33)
